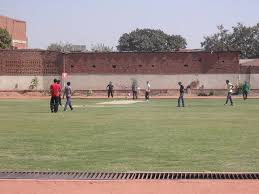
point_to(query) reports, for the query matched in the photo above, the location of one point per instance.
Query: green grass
(149, 136)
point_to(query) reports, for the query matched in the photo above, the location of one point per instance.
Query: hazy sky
(103, 21)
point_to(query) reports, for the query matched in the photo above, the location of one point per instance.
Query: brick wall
(249, 69)
(40, 62)
(30, 62)
(152, 63)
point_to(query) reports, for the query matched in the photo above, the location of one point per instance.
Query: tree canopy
(242, 38)
(5, 39)
(100, 47)
(61, 47)
(150, 40)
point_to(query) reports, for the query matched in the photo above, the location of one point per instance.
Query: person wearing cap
(109, 89)
(181, 99)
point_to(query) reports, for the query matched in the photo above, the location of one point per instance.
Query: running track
(129, 187)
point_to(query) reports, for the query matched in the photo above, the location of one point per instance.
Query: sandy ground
(130, 187)
(25, 97)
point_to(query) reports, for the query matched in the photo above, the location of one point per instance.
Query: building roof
(191, 50)
(14, 19)
(249, 62)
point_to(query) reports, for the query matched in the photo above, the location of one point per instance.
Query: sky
(88, 22)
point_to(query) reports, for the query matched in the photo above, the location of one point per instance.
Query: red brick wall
(30, 62)
(249, 69)
(38, 62)
(153, 63)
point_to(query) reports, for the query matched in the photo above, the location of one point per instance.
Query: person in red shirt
(55, 90)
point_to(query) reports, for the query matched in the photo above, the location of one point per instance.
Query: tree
(242, 38)
(5, 39)
(150, 40)
(177, 42)
(219, 41)
(246, 40)
(55, 47)
(101, 48)
(61, 47)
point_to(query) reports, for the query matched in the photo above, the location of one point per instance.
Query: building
(78, 48)
(17, 30)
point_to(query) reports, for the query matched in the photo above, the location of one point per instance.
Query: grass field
(148, 136)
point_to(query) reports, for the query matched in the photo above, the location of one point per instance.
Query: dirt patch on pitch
(88, 106)
(120, 102)
(114, 103)
(99, 106)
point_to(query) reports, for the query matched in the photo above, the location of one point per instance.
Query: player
(134, 90)
(181, 90)
(230, 90)
(59, 98)
(245, 90)
(55, 92)
(110, 89)
(147, 91)
(68, 93)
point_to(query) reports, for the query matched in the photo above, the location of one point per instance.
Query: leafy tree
(176, 42)
(219, 41)
(5, 39)
(246, 39)
(61, 47)
(101, 48)
(150, 40)
(55, 47)
(242, 38)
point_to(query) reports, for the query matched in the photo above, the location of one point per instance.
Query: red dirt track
(129, 187)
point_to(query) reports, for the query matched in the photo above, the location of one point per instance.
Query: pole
(64, 69)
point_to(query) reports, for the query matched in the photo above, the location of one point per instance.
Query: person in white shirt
(147, 91)
(229, 90)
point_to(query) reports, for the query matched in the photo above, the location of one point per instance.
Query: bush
(194, 84)
(34, 83)
(202, 94)
(89, 92)
(238, 89)
(211, 93)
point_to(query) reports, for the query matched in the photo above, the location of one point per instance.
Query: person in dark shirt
(109, 88)
(134, 90)
(245, 90)
(181, 90)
